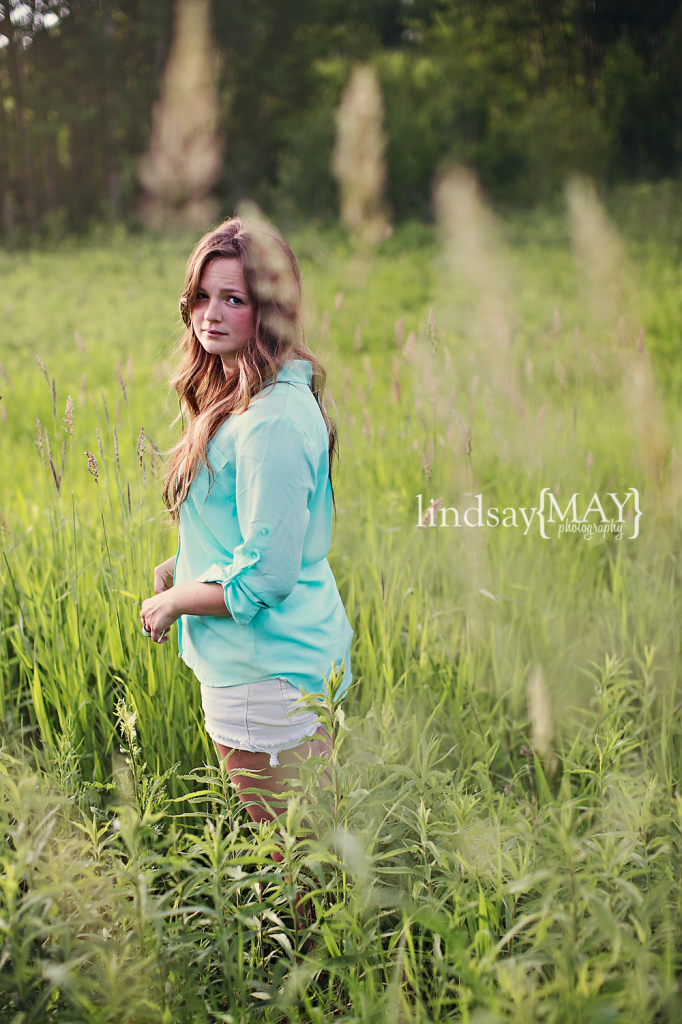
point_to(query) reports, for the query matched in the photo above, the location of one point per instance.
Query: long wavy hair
(208, 395)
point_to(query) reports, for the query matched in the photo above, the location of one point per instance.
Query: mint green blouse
(262, 530)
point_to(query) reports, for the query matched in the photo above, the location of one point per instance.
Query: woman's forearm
(198, 599)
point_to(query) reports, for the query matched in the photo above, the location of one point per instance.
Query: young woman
(249, 483)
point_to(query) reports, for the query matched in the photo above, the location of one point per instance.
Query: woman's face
(223, 316)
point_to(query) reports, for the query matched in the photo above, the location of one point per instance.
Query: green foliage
(523, 92)
(449, 872)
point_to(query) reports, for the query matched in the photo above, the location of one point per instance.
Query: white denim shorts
(261, 717)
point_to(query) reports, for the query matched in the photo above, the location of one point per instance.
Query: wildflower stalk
(126, 719)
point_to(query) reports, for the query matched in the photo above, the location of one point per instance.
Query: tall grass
(503, 842)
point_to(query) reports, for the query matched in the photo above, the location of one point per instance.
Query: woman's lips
(215, 334)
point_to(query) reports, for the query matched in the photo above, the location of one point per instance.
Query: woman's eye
(201, 295)
(235, 300)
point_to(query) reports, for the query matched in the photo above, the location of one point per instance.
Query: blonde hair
(207, 394)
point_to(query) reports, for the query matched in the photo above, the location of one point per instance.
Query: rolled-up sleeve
(275, 482)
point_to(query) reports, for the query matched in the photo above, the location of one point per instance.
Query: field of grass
(504, 843)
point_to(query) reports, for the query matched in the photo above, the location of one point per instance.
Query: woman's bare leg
(274, 781)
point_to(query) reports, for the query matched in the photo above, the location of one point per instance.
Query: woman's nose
(212, 310)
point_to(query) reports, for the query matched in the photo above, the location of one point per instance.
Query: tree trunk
(587, 48)
(50, 164)
(543, 62)
(6, 205)
(7, 215)
(112, 172)
(564, 45)
(28, 185)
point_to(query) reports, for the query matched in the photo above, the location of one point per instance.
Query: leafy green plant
(451, 863)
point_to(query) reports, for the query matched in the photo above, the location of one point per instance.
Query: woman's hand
(158, 613)
(163, 575)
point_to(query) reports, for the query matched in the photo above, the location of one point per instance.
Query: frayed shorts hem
(273, 749)
(258, 717)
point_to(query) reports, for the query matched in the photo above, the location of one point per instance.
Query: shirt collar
(296, 371)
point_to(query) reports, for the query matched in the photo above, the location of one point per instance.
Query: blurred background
(95, 95)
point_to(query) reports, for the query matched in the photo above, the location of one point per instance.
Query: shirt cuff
(239, 601)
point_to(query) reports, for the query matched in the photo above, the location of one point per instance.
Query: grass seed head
(43, 370)
(55, 475)
(540, 712)
(92, 466)
(432, 331)
(357, 338)
(366, 423)
(597, 248)
(427, 461)
(38, 438)
(123, 387)
(432, 511)
(358, 162)
(141, 446)
(641, 341)
(183, 158)
(467, 233)
(69, 420)
(410, 345)
(155, 459)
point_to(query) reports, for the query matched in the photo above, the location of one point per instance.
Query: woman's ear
(185, 312)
